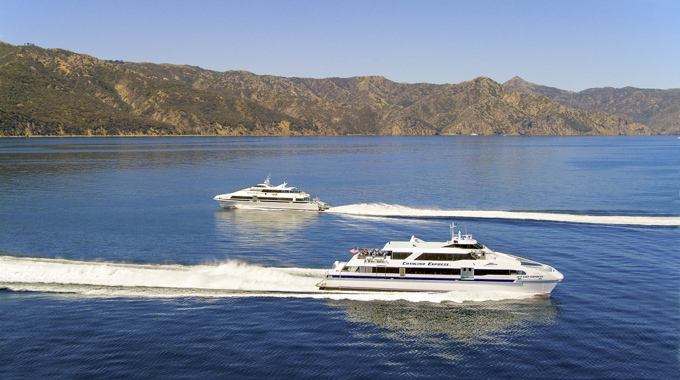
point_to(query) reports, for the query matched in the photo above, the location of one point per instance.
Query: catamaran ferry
(266, 196)
(458, 264)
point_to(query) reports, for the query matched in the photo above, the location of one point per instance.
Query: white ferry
(266, 196)
(460, 264)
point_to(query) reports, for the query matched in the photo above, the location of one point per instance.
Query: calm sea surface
(115, 261)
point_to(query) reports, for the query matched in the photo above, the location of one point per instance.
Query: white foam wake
(386, 210)
(227, 279)
(230, 275)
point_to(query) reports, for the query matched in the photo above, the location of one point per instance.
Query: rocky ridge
(55, 92)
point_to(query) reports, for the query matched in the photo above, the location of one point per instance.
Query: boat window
(369, 269)
(285, 191)
(498, 272)
(273, 199)
(466, 246)
(350, 269)
(434, 271)
(431, 271)
(445, 256)
(400, 255)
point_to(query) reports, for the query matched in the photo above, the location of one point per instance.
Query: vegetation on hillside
(658, 109)
(56, 92)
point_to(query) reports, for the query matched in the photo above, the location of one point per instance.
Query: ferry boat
(460, 264)
(267, 196)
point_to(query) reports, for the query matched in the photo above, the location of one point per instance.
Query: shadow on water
(470, 323)
(265, 236)
(276, 226)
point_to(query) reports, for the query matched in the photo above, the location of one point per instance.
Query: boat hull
(335, 282)
(269, 205)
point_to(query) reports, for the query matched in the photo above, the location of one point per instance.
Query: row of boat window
(266, 198)
(466, 246)
(446, 256)
(436, 256)
(431, 271)
(280, 191)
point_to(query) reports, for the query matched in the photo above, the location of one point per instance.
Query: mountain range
(54, 92)
(658, 109)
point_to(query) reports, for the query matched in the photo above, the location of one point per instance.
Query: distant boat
(267, 196)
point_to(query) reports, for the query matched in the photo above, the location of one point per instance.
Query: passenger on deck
(364, 253)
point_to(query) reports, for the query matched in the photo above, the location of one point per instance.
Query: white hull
(267, 197)
(460, 264)
(263, 205)
(436, 285)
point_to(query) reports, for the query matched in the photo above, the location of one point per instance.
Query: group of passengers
(372, 253)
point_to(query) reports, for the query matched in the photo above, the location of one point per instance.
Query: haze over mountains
(55, 92)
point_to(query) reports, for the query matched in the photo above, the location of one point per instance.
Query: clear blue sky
(572, 45)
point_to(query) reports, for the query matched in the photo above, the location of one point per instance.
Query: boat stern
(323, 206)
(329, 275)
(322, 284)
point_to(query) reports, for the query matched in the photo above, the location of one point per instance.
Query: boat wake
(386, 210)
(226, 279)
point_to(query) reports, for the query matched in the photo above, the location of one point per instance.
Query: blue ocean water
(116, 262)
